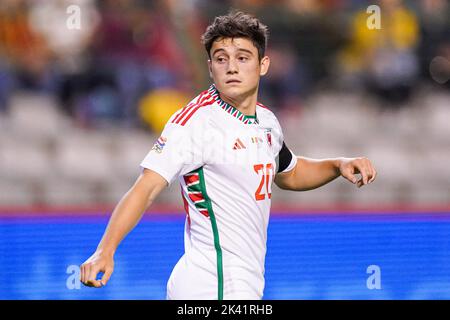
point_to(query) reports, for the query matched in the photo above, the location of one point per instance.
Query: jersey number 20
(266, 172)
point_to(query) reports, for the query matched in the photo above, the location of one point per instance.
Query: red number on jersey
(267, 174)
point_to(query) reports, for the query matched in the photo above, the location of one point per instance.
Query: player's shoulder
(264, 110)
(198, 109)
(265, 113)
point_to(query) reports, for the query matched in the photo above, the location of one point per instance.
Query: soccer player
(225, 149)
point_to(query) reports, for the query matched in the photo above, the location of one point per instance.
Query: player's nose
(232, 67)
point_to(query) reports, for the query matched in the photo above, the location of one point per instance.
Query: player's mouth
(233, 81)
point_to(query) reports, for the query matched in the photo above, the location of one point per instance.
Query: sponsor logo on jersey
(159, 144)
(238, 145)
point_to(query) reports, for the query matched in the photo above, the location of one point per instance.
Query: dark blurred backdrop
(86, 86)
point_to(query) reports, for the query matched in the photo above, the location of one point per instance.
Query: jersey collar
(230, 109)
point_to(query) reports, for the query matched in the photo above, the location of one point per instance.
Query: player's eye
(243, 59)
(220, 59)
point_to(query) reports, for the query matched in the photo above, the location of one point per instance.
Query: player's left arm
(310, 174)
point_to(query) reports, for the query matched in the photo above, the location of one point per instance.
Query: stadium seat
(36, 116)
(14, 193)
(84, 156)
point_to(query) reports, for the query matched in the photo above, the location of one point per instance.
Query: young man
(226, 149)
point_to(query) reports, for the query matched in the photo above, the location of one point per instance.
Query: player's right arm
(124, 218)
(176, 152)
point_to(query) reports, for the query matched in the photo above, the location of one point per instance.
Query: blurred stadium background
(81, 105)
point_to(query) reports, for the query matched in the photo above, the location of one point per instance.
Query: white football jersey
(225, 162)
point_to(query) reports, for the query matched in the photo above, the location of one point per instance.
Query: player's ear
(265, 63)
(210, 68)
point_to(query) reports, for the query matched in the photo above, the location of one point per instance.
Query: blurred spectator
(6, 84)
(68, 45)
(384, 59)
(135, 50)
(126, 49)
(25, 55)
(305, 31)
(435, 34)
(286, 80)
(159, 105)
(133, 63)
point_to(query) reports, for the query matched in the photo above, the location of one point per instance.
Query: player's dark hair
(237, 24)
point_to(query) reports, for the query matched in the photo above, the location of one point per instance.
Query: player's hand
(349, 167)
(96, 263)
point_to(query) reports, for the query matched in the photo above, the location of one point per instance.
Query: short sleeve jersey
(225, 162)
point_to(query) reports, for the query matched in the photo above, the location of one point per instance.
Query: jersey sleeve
(176, 152)
(286, 159)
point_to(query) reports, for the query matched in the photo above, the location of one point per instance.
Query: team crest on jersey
(269, 137)
(159, 144)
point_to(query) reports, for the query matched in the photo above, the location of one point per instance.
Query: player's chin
(234, 90)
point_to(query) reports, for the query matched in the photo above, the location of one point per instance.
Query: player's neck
(245, 104)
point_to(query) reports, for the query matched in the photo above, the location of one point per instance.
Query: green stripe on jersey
(208, 206)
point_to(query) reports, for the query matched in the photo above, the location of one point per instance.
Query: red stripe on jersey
(191, 179)
(179, 113)
(204, 95)
(201, 96)
(196, 196)
(185, 113)
(204, 212)
(194, 110)
(201, 102)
